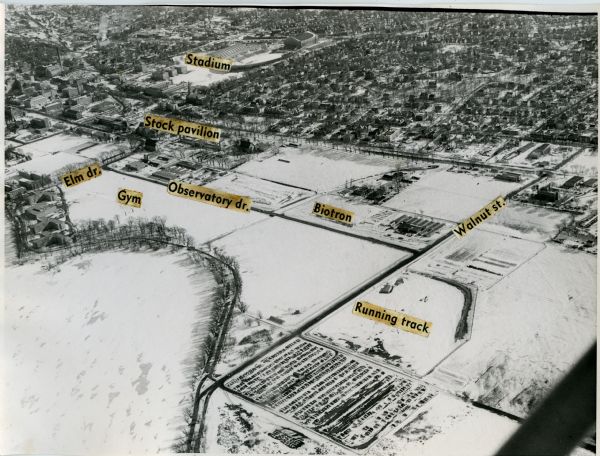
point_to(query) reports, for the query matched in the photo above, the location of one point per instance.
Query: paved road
(203, 395)
(308, 324)
(218, 383)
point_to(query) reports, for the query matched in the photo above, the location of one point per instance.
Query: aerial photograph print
(299, 231)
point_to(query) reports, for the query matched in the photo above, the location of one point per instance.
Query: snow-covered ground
(450, 427)
(291, 270)
(203, 77)
(238, 426)
(49, 164)
(481, 258)
(450, 195)
(95, 152)
(97, 198)
(528, 330)
(553, 156)
(316, 168)
(265, 195)
(452, 48)
(527, 222)
(369, 220)
(247, 336)
(585, 164)
(259, 58)
(476, 151)
(418, 296)
(95, 352)
(57, 143)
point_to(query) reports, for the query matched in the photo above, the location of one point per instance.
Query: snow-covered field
(203, 77)
(291, 270)
(57, 143)
(259, 58)
(316, 168)
(247, 336)
(369, 220)
(524, 159)
(95, 352)
(528, 330)
(238, 426)
(481, 258)
(452, 48)
(476, 151)
(450, 195)
(450, 427)
(265, 195)
(418, 296)
(585, 164)
(49, 164)
(527, 222)
(97, 198)
(95, 152)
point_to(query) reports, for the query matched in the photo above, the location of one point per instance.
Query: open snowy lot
(238, 426)
(449, 427)
(528, 330)
(260, 58)
(527, 222)
(97, 198)
(291, 271)
(481, 258)
(49, 164)
(316, 168)
(450, 195)
(526, 155)
(58, 143)
(198, 76)
(412, 294)
(585, 164)
(95, 152)
(265, 195)
(247, 336)
(74, 369)
(370, 220)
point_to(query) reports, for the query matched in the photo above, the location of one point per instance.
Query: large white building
(301, 40)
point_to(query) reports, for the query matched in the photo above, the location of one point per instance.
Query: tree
(134, 142)
(17, 88)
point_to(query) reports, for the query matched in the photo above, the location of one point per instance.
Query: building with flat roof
(572, 182)
(301, 40)
(508, 177)
(36, 102)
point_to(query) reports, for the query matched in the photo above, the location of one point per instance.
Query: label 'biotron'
(334, 213)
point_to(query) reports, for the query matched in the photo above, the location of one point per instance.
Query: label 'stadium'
(182, 128)
(333, 213)
(389, 317)
(129, 197)
(488, 211)
(208, 61)
(81, 175)
(210, 196)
